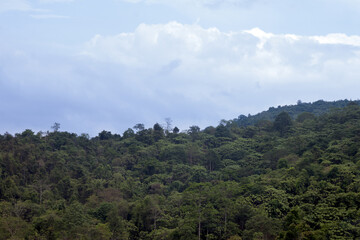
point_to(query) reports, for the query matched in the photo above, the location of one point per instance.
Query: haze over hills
(294, 177)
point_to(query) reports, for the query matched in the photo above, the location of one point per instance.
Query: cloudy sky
(93, 65)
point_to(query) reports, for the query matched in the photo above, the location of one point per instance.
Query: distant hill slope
(317, 108)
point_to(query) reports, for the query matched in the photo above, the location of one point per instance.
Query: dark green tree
(282, 123)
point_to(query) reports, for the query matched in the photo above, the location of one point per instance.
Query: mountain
(281, 179)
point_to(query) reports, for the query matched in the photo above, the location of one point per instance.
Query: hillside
(288, 178)
(317, 108)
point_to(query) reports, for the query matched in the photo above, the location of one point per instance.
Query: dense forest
(282, 178)
(317, 108)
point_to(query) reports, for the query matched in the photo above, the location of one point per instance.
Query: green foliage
(282, 122)
(316, 109)
(277, 178)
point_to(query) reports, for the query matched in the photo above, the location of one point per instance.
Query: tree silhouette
(55, 127)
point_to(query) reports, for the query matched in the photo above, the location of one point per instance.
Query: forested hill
(282, 179)
(317, 108)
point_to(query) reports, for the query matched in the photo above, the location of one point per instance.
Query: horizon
(93, 65)
(163, 124)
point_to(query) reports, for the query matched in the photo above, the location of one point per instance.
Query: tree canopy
(277, 179)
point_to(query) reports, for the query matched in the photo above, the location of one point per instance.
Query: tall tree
(282, 122)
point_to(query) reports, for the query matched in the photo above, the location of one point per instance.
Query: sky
(95, 65)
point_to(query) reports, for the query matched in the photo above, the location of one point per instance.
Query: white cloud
(192, 74)
(149, 41)
(267, 56)
(217, 64)
(338, 38)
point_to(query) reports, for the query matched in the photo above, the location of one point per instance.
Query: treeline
(317, 108)
(282, 179)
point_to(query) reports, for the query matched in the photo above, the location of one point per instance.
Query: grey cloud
(170, 67)
(191, 74)
(213, 61)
